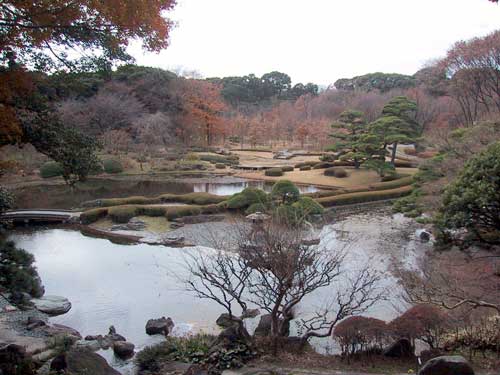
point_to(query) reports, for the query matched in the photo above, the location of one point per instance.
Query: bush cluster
(287, 168)
(112, 166)
(306, 164)
(364, 196)
(305, 168)
(220, 166)
(51, 169)
(221, 159)
(17, 272)
(274, 172)
(335, 172)
(246, 198)
(285, 191)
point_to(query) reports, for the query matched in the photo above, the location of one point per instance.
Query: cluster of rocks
(133, 224)
(161, 326)
(121, 347)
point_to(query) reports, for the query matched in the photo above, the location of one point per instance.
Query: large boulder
(52, 305)
(400, 349)
(159, 326)
(250, 313)
(225, 320)
(447, 365)
(82, 362)
(123, 349)
(265, 324)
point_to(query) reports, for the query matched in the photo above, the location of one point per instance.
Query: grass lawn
(356, 178)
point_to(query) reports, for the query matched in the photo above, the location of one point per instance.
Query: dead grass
(358, 178)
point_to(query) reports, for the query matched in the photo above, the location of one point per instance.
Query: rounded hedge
(285, 191)
(323, 165)
(287, 168)
(309, 206)
(305, 168)
(220, 166)
(335, 172)
(274, 172)
(112, 166)
(51, 169)
(246, 198)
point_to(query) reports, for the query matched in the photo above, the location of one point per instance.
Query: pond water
(235, 187)
(125, 285)
(59, 196)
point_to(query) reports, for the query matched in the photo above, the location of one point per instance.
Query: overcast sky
(317, 40)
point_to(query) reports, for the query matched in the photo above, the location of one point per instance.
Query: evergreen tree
(351, 126)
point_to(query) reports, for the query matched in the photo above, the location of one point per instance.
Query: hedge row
(189, 198)
(226, 159)
(122, 214)
(362, 197)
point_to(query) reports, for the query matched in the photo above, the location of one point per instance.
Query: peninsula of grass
(189, 198)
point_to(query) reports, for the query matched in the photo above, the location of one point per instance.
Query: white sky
(317, 40)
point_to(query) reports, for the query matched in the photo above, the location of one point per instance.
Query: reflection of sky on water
(236, 187)
(125, 285)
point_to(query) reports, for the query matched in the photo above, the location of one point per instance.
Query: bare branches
(361, 292)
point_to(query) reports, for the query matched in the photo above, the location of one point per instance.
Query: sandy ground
(356, 178)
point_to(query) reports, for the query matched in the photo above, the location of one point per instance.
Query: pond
(60, 196)
(125, 285)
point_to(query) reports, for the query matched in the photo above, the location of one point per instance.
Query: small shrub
(327, 157)
(112, 166)
(180, 211)
(256, 207)
(122, 214)
(274, 172)
(51, 169)
(192, 157)
(91, 216)
(220, 166)
(305, 168)
(285, 192)
(6, 199)
(335, 172)
(246, 198)
(288, 214)
(323, 165)
(309, 206)
(390, 177)
(358, 333)
(287, 168)
(306, 164)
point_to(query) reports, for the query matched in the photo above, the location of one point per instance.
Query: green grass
(189, 198)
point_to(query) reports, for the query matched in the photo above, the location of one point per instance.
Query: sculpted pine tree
(350, 127)
(397, 124)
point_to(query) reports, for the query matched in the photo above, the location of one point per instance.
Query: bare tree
(155, 129)
(271, 266)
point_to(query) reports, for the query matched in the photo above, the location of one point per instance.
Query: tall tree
(350, 126)
(73, 35)
(397, 124)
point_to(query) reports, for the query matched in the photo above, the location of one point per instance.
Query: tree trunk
(393, 155)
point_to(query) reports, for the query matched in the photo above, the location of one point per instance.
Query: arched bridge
(39, 215)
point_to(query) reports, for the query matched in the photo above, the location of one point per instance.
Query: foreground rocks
(159, 326)
(123, 349)
(82, 362)
(52, 305)
(447, 365)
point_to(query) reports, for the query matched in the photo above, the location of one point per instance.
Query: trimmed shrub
(323, 165)
(200, 198)
(398, 163)
(390, 177)
(335, 172)
(6, 199)
(306, 164)
(289, 214)
(91, 216)
(309, 206)
(246, 198)
(122, 214)
(220, 166)
(221, 159)
(256, 207)
(180, 211)
(327, 157)
(274, 172)
(51, 169)
(285, 191)
(305, 168)
(358, 333)
(192, 157)
(287, 168)
(365, 196)
(112, 166)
